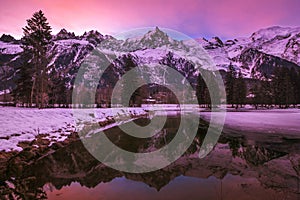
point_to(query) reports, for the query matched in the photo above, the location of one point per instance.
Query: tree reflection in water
(274, 164)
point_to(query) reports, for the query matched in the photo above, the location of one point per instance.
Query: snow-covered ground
(9, 48)
(24, 124)
(4, 92)
(279, 121)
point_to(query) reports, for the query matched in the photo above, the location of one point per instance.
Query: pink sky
(196, 18)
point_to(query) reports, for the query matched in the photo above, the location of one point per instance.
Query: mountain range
(254, 56)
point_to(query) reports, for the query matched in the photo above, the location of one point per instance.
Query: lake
(239, 166)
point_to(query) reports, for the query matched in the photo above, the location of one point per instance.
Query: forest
(41, 85)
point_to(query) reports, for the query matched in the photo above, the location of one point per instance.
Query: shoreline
(24, 124)
(13, 163)
(269, 123)
(42, 144)
(283, 122)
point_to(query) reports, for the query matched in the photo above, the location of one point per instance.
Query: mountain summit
(254, 55)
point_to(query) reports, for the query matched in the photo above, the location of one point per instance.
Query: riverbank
(55, 125)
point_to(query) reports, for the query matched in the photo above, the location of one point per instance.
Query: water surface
(239, 167)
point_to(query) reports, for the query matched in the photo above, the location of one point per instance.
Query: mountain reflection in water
(237, 167)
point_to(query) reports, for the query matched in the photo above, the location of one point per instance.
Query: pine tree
(278, 87)
(288, 88)
(266, 90)
(22, 92)
(201, 89)
(212, 96)
(230, 80)
(57, 89)
(256, 91)
(293, 75)
(209, 97)
(240, 89)
(284, 83)
(36, 41)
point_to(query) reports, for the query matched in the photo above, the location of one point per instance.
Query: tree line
(281, 89)
(40, 84)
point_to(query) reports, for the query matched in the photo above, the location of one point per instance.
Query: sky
(226, 19)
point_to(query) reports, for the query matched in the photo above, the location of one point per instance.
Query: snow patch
(8, 48)
(24, 124)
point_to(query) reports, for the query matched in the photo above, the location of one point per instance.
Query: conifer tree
(36, 41)
(293, 76)
(240, 89)
(230, 80)
(288, 88)
(256, 91)
(284, 83)
(266, 91)
(201, 89)
(22, 92)
(57, 89)
(278, 87)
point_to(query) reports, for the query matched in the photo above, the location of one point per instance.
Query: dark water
(239, 167)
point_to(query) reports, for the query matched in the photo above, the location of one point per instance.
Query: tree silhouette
(230, 85)
(35, 42)
(240, 90)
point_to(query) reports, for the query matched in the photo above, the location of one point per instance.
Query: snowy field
(24, 124)
(279, 121)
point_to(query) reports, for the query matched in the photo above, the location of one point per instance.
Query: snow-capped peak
(64, 34)
(7, 38)
(91, 33)
(274, 31)
(93, 37)
(216, 41)
(156, 36)
(155, 33)
(276, 41)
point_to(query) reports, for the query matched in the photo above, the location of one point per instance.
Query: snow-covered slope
(274, 42)
(9, 48)
(254, 55)
(66, 55)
